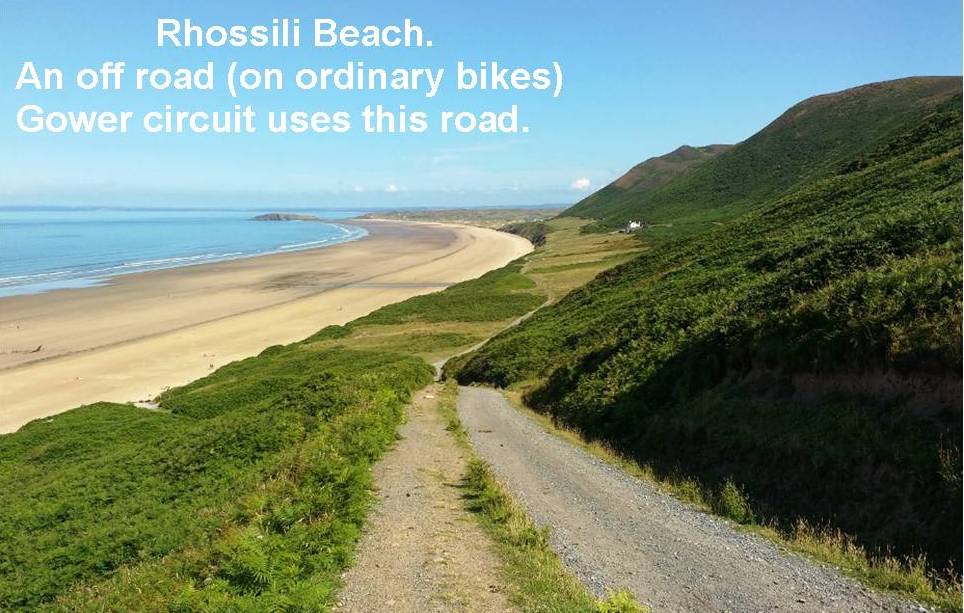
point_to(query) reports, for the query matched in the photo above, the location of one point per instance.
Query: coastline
(27, 283)
(144, 332)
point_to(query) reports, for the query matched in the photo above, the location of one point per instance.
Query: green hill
(809, 141)
(245, 490)
(660, 170)
(809, 350)
(646, 176)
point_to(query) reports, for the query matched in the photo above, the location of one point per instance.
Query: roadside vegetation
(536, 579)
(571, 258)
(908, 576)
(797, 367)
(248, 487)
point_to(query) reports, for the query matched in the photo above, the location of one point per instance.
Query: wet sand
(140, 334)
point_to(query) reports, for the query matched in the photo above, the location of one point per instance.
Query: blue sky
(641, 78)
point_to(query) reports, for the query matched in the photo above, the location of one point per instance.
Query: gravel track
(614, 530)
(421, 550)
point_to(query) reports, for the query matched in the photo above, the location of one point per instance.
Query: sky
(640, 79)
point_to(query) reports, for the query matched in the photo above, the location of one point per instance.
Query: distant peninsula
(286, 217)
(492, 217)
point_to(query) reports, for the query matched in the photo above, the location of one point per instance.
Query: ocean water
(46, 249)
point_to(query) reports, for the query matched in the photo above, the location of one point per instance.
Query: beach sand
(143, 333)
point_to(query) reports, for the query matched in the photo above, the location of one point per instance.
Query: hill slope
(810, 140)
(809, 350)
(647, 176)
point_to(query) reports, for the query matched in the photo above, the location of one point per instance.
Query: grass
(567, 260)
(515, 295)
(791, 351)
(111, 506)
(571, 258)
(447, 408)
(536, 579)
(595, 265)
(907, 576)
(247, 489)
(441, 324)
(286, 541)
(427, 341)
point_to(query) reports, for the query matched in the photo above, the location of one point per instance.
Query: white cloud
(391, 188)
(359, 189)
(581, 184)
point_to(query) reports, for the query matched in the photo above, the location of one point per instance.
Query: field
(571, 258)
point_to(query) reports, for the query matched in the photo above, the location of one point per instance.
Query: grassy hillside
(247, 488)
(533, 231)
(211, 499)
(809, 141)
(807, 354)
(662, 169)
(646, 176)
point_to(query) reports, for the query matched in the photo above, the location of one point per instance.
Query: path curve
(615, 531)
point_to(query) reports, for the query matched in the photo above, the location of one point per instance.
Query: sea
(48, 248)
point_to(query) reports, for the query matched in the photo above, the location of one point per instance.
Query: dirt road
(422, 551)
(616, 531)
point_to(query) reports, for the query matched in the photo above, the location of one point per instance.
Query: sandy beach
(140, 334)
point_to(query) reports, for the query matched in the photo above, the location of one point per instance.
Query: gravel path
(422, 551)
(614, 530)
